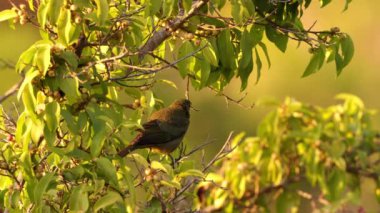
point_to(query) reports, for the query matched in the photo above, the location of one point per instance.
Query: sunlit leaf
(7, 14)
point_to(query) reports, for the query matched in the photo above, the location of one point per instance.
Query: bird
(164, 130)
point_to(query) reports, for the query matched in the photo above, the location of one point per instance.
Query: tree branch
(162, 34)
(11, 91)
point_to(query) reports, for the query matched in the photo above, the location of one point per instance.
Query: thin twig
(11, 91)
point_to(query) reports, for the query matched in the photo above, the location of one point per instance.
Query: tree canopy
(87, 86)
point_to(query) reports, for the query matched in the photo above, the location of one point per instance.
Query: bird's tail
(127, 150)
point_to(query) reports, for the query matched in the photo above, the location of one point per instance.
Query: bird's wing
(153, 134)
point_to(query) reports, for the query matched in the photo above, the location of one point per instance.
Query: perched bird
(164, 130)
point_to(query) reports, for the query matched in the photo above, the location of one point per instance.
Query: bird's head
(182, 103)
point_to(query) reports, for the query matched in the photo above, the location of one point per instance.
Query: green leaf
(259, 65)
(170, 83)
(226, 50)
(53, 112)
(265, 50)
(186, 65)
(42, 13)
(102, 11)
(98, 142)
(70, 87)
(191, 172)
(78, 199)
(347, 47)
(30, 75)
(106, 169)
(74, 173)
(110, 198)
(256, 34)
(70, 121)
(315, 63)
(54, 8)
(204, 72)
(168, 7)
(153, 7)
(209, 53)
(346, 5)
(43, 57)
(171, 183)
(80, 154)
(7, 14)
(139, 159)
(42, 186)
(64, 26)
(236, 11)
(26, 58)
(29, 99)
(278, 38)
(71, 58)
(324, 2)
(159, 166)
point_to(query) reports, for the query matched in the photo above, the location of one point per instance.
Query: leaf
(139, 159)
(102, 11)
(26, 58)
(71, 58)
(171, 183)
(43, 57)
(7, 14)
(259, 65)
(52, 115)
(191, 172)
(98, 142)
(54, 8)
(226, 50)
(279, 39)
(185, 65)
(64, 26)
(265, 50)
(29, 99)
(159, 166)
(167, 7)
(256, 34)
(209, 53)
(346, 5)
(106, 169)
(70, 121)
(30, 75)
(70, 87)
(78, 199)
(204, 72)
(110, 198)
(42, 13)
(168, 82)
(42, 186)
(347, 47)
(236, 9)
(315, 63)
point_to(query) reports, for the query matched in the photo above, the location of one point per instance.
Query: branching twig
(222, 153)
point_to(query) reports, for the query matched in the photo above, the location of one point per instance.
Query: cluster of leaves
(60, 153)
(301, 154)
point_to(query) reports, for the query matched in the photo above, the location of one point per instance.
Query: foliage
(61, 152)
(301, 153)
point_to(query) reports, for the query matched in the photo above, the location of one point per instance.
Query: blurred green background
(215, 120)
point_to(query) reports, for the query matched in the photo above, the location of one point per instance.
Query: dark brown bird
(164, 129)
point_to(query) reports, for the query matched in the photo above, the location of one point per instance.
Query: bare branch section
(10, 91)
(161, 35)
